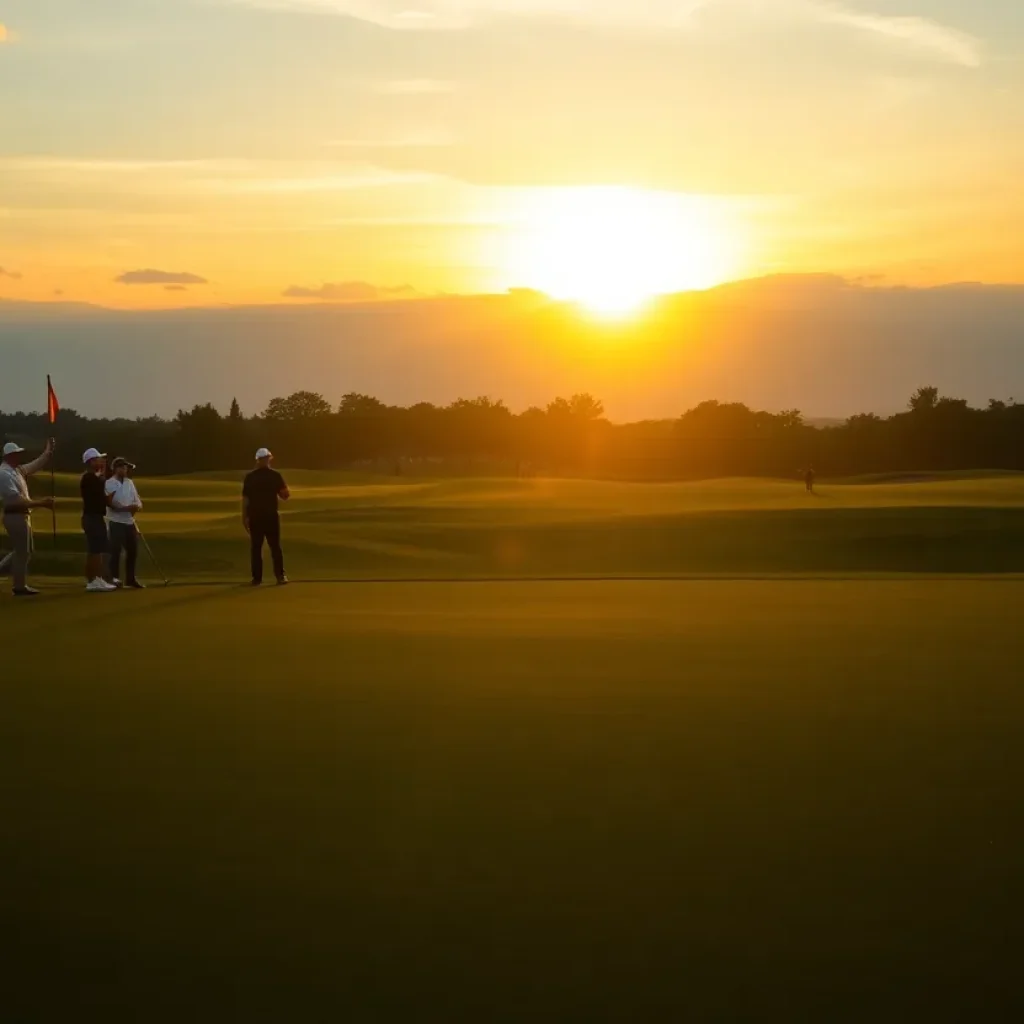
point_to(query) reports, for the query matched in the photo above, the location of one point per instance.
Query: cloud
(12, 274)
(449, 15)
(355, 180)
(159, 277)
(220, 177)
(349, 291)
(63, 165)
(421, 140)
(923, 34)
(414, 87)
(175, 288)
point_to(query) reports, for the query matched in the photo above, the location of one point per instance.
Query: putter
(152, 557)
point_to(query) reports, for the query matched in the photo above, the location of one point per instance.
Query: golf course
(523, 750)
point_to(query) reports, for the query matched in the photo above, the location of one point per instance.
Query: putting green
(513, 802)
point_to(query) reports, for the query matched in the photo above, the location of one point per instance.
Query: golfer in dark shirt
(94, 520)
(262, 490)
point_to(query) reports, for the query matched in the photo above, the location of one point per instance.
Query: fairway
(347, 526)
(584, 801)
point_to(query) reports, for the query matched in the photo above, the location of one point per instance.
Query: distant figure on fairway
(124, 504)
(94, 520)
(262, 490)
(17, 508)
(809, 478)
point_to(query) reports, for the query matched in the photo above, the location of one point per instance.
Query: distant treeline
(570, 436)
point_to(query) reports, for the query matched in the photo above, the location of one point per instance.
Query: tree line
(569, 436)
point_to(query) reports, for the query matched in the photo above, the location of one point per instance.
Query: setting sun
(613, 249)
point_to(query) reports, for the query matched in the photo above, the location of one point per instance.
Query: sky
(157, 153)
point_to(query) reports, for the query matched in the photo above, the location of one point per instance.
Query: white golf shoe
(99, 586)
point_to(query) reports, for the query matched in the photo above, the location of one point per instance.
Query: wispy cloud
(349, 291)
(418, 141)
(215, 177)
(62, 165)
(298, 183)
(164, 277)
(923, 34)
(414, 87)
(12, 274)
(447, 15)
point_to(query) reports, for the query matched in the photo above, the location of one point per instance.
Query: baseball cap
(12, 449)
(122, 461)
(92, 453)
(264, 453)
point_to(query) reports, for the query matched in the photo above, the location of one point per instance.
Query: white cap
(264, 453)
(92, 453)
(12, 449)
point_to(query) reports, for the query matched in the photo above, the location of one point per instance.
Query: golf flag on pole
(52, 410)
(52, 405)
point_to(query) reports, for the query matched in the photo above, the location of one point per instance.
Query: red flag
(52, 405)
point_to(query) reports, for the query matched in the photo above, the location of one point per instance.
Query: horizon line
(855, 282)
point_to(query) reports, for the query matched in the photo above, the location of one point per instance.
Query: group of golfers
(110, 503)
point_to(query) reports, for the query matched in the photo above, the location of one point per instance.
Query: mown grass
(341, 526)
(713, 800)
(709, 801)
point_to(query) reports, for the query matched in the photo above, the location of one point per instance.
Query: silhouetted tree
(570, 435)
(302, 405)
(863, 421)
(200, 437)
(924, 400)
(354, 404)
(586, 407)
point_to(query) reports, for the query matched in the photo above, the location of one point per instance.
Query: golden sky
(169, 152)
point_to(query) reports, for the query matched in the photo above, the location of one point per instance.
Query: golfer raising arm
(260, 494)
(17, 512)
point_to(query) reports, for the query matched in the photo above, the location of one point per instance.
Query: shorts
(96, 539)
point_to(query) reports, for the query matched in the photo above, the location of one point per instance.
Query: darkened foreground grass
(514, 802)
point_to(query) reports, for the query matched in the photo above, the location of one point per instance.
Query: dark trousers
(123, 537)
(269, 530)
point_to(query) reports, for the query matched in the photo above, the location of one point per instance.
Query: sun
(612, 249)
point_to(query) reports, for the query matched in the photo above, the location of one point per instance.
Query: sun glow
(612, 249)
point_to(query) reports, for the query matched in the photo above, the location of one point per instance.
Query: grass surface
(512, 801)
(504, 802)
(352, 527)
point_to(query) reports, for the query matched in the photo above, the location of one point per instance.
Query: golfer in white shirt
(124, 503)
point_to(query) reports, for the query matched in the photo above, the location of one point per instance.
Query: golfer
(94, 520)
(262, 490)
(124, 504)
(17, 508)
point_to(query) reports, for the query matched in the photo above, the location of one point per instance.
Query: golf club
(152, 557)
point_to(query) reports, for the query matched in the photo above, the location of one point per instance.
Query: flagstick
(53, 479)
(53, 511)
